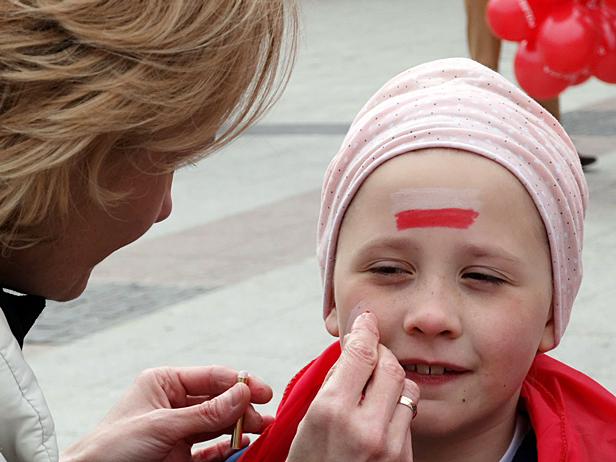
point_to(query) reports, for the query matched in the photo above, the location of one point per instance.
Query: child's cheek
(358, 309)
(508, 355)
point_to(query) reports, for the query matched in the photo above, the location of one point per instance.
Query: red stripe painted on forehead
(436, 218)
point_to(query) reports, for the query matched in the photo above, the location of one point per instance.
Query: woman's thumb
(214, 415)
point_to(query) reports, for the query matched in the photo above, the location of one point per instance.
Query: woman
(100, 102)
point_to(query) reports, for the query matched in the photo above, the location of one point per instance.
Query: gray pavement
(231, 278)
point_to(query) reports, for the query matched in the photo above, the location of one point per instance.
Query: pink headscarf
(458, 103)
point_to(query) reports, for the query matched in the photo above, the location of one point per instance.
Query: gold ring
(408, 402)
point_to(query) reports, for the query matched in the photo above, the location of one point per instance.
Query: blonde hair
(85, 81)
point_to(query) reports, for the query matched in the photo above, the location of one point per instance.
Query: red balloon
(511, 20)
(541, 8)
(580, 78)
(609, 5)
(546, 3)
(568, 38)
(534, 76)
(604, 65)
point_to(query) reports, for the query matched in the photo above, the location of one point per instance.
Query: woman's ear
(548, 340)
(331, 322)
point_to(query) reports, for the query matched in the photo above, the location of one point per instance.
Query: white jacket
(26, 427)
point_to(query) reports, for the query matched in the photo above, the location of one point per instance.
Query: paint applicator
(236, 437)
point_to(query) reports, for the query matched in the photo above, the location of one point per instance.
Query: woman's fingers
(213, 416)
(407, 403)
(218, 452)
(382, 404)
(385, 386)
(254, 422)
(356, 414)
(207, 381)
(167, 409)
(400, 426)
(217, 416)
(357, 361)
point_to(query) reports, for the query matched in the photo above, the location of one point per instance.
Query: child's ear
(547, 339)
(331, 322)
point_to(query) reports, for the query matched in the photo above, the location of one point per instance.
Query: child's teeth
(438, 370)
(423, 369)
(426, 369)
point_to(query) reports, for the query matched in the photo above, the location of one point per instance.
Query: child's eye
(387, 270)
(484, 278)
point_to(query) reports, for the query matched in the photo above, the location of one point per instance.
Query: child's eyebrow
(379, 244)
(473, 250)
(490, 252)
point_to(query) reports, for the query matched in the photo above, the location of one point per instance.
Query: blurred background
(231, 277)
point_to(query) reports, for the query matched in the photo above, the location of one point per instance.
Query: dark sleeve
(527, 452)
(236, 456)
(20, 311)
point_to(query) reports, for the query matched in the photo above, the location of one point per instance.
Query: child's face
(466, 287)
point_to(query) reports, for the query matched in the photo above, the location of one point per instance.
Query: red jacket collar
(573, 417)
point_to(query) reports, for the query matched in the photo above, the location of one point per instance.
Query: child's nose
(433, 309)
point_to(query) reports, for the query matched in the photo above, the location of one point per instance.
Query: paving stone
(102, 306)
(590, 123)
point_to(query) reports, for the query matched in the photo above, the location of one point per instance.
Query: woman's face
(446, 248)
(59, 270)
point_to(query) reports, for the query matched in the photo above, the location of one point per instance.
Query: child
(453, 214)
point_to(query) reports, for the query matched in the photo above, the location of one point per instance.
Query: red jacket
(573, 417)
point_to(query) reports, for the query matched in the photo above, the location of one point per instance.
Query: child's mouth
(425, 369)
(432, 373)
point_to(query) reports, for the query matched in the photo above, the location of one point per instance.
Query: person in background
(484, 47)
(100, 102)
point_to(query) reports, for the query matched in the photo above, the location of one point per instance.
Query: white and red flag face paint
(435, 208)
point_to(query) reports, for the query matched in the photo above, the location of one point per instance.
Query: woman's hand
(167, 410)
(340, 425)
